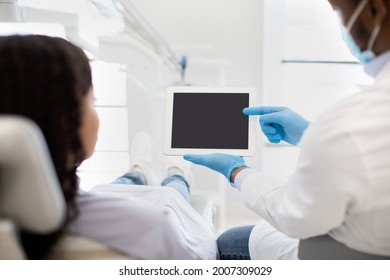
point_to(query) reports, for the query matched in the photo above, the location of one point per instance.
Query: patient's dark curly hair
(45, 79)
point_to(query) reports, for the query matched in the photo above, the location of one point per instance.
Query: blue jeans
(233, 244)
(176, 182)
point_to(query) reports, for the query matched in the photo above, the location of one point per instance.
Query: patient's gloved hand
(279, 123)
(224, 164)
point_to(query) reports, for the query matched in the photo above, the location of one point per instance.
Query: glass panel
(102, 167)
(109, 84)
(113, 131)
(89, 179)
(106, 161)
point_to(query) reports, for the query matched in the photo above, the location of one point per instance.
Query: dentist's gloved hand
(279, 123)
(224, 164)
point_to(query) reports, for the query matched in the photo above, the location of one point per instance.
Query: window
(111, 157)
(50, 18)
(307, 67)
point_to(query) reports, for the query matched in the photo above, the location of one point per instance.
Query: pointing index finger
(262, 110)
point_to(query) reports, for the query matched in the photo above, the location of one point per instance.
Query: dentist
(341, 187)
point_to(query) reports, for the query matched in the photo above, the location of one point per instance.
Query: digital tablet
(204, 120)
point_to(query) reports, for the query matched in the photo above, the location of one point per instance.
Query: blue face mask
(363, 56)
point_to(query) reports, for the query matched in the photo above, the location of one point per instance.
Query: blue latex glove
(224, 164)
(279, 123)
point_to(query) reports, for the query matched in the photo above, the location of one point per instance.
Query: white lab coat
(144, 222)
(341, 186)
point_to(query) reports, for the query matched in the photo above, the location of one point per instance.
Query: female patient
(49, 81)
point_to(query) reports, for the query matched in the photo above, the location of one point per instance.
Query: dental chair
(31, 198)
(27, 201)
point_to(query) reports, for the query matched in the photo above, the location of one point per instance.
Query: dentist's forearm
(235, 172)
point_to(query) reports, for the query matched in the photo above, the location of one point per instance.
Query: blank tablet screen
(210, 121)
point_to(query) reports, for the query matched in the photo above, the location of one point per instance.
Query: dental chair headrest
(30, 193)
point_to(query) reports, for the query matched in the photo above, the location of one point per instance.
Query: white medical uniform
(341, 186)
(144, 222)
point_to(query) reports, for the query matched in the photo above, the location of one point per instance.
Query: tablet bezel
(168, 150)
